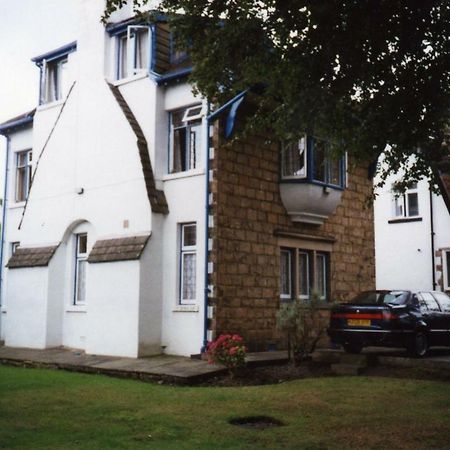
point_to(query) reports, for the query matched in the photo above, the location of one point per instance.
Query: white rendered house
(412, 236)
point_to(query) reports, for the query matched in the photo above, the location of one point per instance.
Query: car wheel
(352, 347)
(419, 345)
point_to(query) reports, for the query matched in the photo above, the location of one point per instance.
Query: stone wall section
(244, 250)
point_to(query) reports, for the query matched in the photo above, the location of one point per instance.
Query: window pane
(321, 275)
(194, 145)
(81, 281)
(179, 150)
(62, 79)
(335, 171)
(413, 204)
(142, 50)
(285, 273)
(447, 254)
(444, 300)
(294, 159)
(189, 235)
(303, 273)
(398, 206)
(82, 244)
(319, 160)
(430, 301)
(123, 57)
(188, 276)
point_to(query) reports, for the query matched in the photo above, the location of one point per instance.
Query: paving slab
(162, 367)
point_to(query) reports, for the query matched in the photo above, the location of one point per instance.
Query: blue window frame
(312, 160)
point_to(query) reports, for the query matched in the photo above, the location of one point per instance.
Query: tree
(365, 74)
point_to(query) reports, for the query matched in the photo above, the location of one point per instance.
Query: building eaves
(55, 54)
(121, 27)
(17, 122)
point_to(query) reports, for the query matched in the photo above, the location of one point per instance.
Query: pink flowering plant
(229, 350)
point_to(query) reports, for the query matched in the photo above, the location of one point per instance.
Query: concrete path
(175, 369)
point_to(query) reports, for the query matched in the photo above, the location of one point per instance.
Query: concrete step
(326, 356)
(350, 358)
(347, 369)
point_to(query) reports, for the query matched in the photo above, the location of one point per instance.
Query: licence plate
(359, 322)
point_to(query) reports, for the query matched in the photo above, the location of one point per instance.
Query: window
(188, 263)
(446, 268)
(133, 51)
(14, 247)
(55, 80)
(407, 204)
(302, 271)
(313, 160)
(186, 134)
(80, 268)
(23, 175)
(428, 302)
(444, 300)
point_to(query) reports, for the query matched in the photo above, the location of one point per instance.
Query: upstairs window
(133, 53)
(54, 73)
(407, 204)
(186, 138)
(23, 175)
(55, 80)
(312, 160)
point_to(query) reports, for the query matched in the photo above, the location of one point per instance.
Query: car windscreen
(381, 297)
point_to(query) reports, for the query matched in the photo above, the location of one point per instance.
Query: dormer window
(312, 160)
(54, 73)
(133, 55)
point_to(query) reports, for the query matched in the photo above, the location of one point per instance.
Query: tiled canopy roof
(31, 257)
(120, 249)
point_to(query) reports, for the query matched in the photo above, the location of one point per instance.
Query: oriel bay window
(185, 138)
(313, 160)
(302, 272)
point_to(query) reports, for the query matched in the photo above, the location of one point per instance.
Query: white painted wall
(403, 250)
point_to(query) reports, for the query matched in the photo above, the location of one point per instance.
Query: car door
(444, 303)
(431, 313)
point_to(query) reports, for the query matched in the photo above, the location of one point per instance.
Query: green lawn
(56, 410)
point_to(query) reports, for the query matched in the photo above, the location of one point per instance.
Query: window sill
(17, 205)
(187, 174)
(50, 105)
(77, 309)
(122, 81)
(406, 220)
(186, 308)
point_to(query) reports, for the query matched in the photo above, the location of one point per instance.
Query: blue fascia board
(114, 29)
(8, 127)
(55, 54)
(228, 104)
(170, 76)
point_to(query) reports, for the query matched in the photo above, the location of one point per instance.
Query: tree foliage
(365, 74)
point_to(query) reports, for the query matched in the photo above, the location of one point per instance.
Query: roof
(31, 257)
(55, 54)
(120, 249)
(17, 122)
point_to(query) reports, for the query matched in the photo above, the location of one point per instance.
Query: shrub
(228, 350)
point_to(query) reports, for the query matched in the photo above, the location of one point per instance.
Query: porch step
(326, 356)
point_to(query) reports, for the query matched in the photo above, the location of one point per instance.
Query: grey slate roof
(120, 249)
(31, 257)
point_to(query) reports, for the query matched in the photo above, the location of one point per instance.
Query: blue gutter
(233, 104)
(10, 126)
(5, 193)
(171, 76)
(55, 54)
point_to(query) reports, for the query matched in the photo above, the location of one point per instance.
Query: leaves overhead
(366, 74)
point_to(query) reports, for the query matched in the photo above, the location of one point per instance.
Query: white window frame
(52, 71)
(129, 40)
(23, 174)
(401, 204)
(79, 257)
(187, 250)
(308, 279)
(324, 288)
(287, 296)
(446, 269)
(14, 247)
(187, 123)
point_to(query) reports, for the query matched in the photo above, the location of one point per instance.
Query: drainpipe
(233, 104)
(432, 239)
(2, 243)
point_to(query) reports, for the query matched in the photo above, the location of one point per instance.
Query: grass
(60, 410)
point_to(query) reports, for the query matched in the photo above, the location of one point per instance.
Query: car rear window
(443, 299)
(381, 297)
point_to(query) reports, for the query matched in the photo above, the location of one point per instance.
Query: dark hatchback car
(413, 320)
